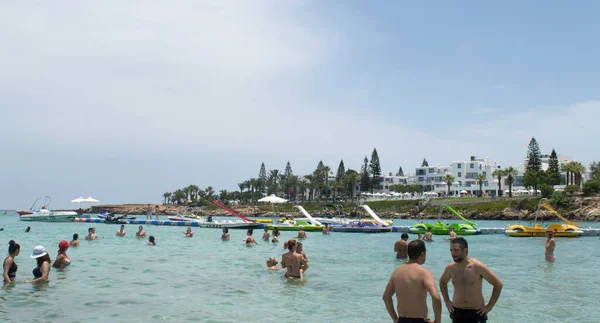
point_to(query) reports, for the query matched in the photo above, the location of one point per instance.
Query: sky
(125, 100)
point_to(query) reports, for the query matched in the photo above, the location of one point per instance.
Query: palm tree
(302, 186)
(223, 195)
(166, 196)
(242, 186)
(510, 172)
(480, 178)
(210, 191)
(448, 179)
(577, 169)
(499, 173)
(310, 179)
(194, 192)
(350, 178)
(326, 170)
(567, 168)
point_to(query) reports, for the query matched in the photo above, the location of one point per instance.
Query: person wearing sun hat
(62, 260)
(42, 271)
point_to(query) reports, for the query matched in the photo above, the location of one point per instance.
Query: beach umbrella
(91, 200)
(272, 199)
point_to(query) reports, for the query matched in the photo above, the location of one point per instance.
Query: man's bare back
(400, 248)
(411, 283)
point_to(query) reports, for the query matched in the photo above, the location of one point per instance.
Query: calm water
(203, 279)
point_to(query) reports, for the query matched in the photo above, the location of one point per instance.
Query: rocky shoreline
(583, 209)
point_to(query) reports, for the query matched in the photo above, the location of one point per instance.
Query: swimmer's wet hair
(461, 241)
(415, 249)
(404, 235)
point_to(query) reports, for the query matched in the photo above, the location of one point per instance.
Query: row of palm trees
(509, 173)
(574, 171)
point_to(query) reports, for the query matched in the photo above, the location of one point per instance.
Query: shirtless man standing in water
(550, 244)
(428, 235)
(292, 262)
(411, 283)
(468, 304)
(401, 247)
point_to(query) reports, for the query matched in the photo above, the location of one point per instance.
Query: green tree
(400, 171)
(591, 187)
(302, 187)
(499, 173)
(480, 178)
(375, 170)
(365, 179)
(424, 163)
(223, 195)
(595, 169)
(166, 196)
(534, 156)
(341, 171)
(262, 177)
(351, 177)
(553, 171)
(533, 168)
(510, 173)
(179, 197)
(285, 181)
(448, 179)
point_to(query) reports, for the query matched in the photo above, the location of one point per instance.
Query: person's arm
(7, 264)
(45, 269)
(389, 291)
(283, 264)
(444, 279)
(491, 278)
(397, 246)
(435, 297)
(57, 261)
(304, 263)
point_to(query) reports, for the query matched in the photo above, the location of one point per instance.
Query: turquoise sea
(203, 279)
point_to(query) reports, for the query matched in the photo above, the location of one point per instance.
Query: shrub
(527, 204)
(561, 200)
(591, 187)
(547, 190)
(570, 189)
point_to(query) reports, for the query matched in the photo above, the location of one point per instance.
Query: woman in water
(10, 266)
(225, 235)
(188, 233)
(249, 238)
(42, 271)
(62, 260)
(151, 241)
(75, 241)
(275, 235)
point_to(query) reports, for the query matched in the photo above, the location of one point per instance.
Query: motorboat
(40, 211)
(571, 229)
(440, 228)
(117, 219)
(362, 226)
(373, 225)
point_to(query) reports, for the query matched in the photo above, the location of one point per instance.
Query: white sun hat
(38, 251)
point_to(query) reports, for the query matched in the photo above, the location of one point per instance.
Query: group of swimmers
(42, 270)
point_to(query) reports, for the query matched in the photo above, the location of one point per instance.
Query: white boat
(39, 211)
(208, 222)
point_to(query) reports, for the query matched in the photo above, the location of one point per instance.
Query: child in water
(272, 264)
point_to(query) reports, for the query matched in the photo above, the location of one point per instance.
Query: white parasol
(272, 199)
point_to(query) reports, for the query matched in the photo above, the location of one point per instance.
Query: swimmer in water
(550, 245)
(451, 234)
(62, 260)
(188, 233)
(249, 239)
(266, 235)
(293, 262)
(301, 233)
(225, 236)
(401, 247)
(428, 235)
(272, 264)
(121, 232)
(140, 233)
(75, 241)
